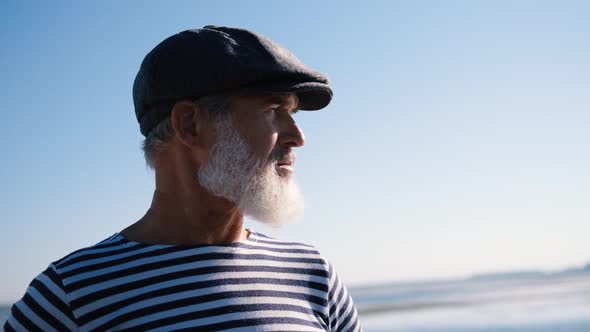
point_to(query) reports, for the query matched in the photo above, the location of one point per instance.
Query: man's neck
(199, 218)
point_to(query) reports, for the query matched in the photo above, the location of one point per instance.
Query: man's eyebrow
(276, 99)
(280, 100)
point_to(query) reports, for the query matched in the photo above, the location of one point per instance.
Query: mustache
(283, 154)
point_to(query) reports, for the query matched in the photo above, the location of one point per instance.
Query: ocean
(532, 302)
(501, 303)
(3, 314)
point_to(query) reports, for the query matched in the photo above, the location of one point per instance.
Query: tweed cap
(215, 60)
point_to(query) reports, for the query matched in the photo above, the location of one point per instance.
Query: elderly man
(216, 108)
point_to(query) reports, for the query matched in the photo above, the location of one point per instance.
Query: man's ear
(184, 118)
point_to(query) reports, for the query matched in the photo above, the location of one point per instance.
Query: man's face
(252, 161)
(266, 122)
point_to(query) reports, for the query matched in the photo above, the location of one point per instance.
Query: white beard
(234, 173)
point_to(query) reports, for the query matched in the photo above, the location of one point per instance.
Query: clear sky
(457, 141)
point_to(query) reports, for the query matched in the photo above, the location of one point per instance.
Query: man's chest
(217, 301)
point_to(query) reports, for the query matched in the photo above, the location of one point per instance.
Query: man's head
(218, 103)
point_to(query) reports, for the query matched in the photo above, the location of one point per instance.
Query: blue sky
(457, 140)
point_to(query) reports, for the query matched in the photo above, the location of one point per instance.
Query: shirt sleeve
(44, 307)
(342, 312)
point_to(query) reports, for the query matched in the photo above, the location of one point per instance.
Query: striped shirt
(258, 284)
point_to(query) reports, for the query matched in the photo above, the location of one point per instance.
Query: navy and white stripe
(258, 284)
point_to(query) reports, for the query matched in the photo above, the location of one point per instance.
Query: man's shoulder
(286, 246)
(265, 239)
(293, 252)
(109, 246)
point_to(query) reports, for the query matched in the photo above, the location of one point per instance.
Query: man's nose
(291, 135)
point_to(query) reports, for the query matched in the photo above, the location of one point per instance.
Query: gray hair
(157, 139)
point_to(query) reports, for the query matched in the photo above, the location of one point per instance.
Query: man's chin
(275, 208)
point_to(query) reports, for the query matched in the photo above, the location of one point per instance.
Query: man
(216, 107)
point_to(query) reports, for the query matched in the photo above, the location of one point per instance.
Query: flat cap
(216, 60)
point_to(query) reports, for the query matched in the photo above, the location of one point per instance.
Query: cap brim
(312, 96)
